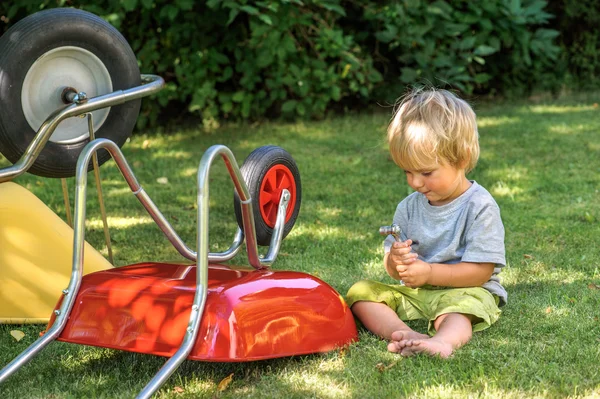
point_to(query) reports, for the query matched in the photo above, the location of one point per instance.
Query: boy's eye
(426, 173)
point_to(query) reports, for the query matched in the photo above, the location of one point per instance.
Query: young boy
(452, 240)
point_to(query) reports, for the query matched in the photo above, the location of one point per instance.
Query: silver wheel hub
(48, 77)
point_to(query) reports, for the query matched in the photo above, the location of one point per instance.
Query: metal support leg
(65, 190)
(90, 122)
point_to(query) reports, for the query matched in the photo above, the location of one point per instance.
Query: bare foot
(401, 336)
(429, 346)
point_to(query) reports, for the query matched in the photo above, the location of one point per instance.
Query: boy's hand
(412, 271)
(414, 274)
(400, 253)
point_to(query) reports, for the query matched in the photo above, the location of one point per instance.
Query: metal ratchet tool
(395, 231)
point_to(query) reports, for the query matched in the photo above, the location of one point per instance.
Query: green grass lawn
(540, 160)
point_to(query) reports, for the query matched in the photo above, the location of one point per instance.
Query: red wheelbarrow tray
(249, 314)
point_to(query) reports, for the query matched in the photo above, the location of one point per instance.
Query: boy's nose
(416, 182)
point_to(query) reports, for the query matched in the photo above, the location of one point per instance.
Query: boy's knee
(360, 291)
(361, 286)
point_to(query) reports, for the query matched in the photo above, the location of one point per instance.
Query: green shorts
(429, 303)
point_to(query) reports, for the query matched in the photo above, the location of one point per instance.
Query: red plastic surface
(249, 314)
(279, 177)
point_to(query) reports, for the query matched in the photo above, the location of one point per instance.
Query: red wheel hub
(279, 177)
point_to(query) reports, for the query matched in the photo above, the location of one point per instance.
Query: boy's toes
(394, 347)
(398, 336)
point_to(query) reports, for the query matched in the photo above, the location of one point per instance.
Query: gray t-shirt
(468, 229)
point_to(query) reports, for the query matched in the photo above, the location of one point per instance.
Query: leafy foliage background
(250, 59)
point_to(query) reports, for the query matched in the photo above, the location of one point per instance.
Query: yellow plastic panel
(36, 256)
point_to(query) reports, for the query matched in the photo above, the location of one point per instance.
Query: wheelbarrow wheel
(47, 53)
(267, 171)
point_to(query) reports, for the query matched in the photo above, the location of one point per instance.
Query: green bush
(483, 47)
(579, 24)
(251, 59)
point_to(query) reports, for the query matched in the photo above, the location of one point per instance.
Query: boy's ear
(464, 164)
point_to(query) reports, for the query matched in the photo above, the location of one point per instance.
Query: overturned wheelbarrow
(200, 310)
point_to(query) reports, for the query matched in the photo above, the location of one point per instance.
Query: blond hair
(433, 126)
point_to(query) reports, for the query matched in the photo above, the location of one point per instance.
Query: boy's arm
(463, 274)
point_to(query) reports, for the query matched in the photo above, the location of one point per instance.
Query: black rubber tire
(34, 36)
(254, 169)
